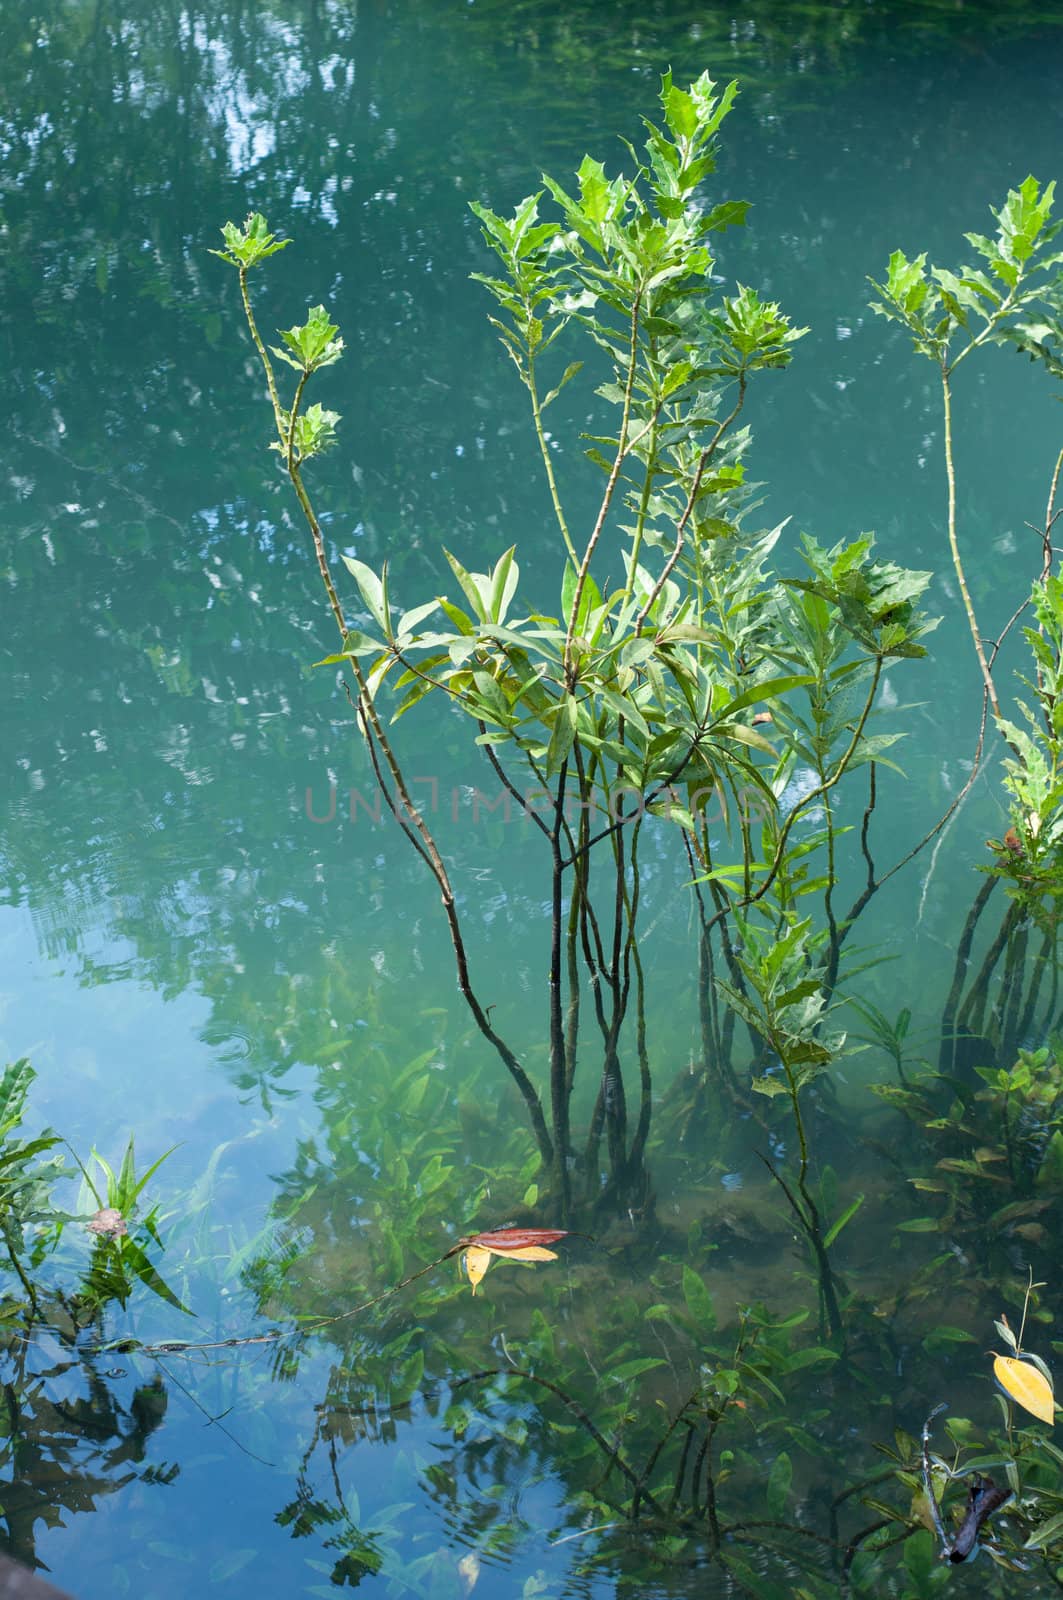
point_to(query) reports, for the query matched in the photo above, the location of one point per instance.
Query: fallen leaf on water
(477, 1262)
(509, 1244)
(1027, 1386)
(505, 1241)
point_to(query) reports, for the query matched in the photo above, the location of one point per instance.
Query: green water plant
(669, 679)
(30, 1222)
(1013, 297)
(643, 684)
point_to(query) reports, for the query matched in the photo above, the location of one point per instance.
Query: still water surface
(187, 955)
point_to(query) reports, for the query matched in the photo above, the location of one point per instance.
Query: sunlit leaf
(524, 1245)
(1026, 1386)
(476, 1262)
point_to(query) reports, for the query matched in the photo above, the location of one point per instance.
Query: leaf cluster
(1017, 301)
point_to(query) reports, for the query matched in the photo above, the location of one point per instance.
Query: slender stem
(1040, 965)
(16, 1262)
(1010, 1002)
(319, 549)
(947, 1054)
(928, 1481)
(544, 448)
(811, 1226)
(957, 560)
(655, 1453)
(559, 1096)
(644, 501)
(289, 444)
(376, 739)
(834, 944)
(271, 382)
(865, 826)
(611, 482)
(681, 1469)
(973, 1012)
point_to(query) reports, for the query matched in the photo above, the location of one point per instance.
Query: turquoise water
(187, 954)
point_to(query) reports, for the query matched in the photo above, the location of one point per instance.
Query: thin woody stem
(614, 474)
(278, 409)
(548, 465)
(957, 560)
(377, 740)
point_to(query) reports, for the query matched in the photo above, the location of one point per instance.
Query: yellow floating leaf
(505, 1244)
(1026, 1386)
(477, 1262)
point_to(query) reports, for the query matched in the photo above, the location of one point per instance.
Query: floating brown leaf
(505, 1241)
(509, 1244)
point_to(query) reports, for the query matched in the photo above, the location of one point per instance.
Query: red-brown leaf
(504, 1239)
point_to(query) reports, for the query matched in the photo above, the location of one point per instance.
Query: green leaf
(133, 1257)
(562, 736)
(248, 245)
(633, 1369)
(847, 1216)
(744, 735)
(590, 598)
(767, 689)
(371, 589)
(409, 619)
(469, 588)
(312, 344)
(408, 1380)
(810, 1356)
(14, 1087)
(625, 707)
(503, 584)
(698, 1300)
(779, 1480)
(358, 644)
(566, 377)
(1046, 1533)
(769, 1086)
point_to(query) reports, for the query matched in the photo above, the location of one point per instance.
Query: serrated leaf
(769, 1086)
